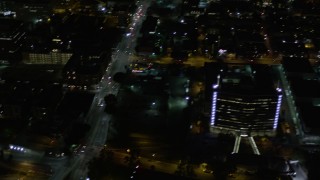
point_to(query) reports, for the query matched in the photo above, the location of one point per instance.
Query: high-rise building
(245, 100)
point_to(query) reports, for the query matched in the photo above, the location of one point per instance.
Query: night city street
(159, 89)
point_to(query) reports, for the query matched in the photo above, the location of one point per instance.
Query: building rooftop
(308, 113)
(86, 64)
(33, 94)
(297, 65)
(247, 80)
(87, 33)
(33, 73)
(8, 27)
(305, 88)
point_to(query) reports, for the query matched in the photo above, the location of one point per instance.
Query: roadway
(97, 118)
(168, 167)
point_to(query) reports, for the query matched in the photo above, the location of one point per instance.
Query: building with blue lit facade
(245, 99)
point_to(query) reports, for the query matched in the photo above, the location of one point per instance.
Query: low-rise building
(30, 91)
(304, 90)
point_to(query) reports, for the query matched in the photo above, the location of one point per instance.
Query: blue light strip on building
(276, 118)
(213, 108)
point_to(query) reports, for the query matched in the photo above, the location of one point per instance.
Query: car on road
(208, 171)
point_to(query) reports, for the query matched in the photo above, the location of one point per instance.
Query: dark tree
(119, 77)
(111, 102)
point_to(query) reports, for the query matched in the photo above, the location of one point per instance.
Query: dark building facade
(12, 37)
(84, 71)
